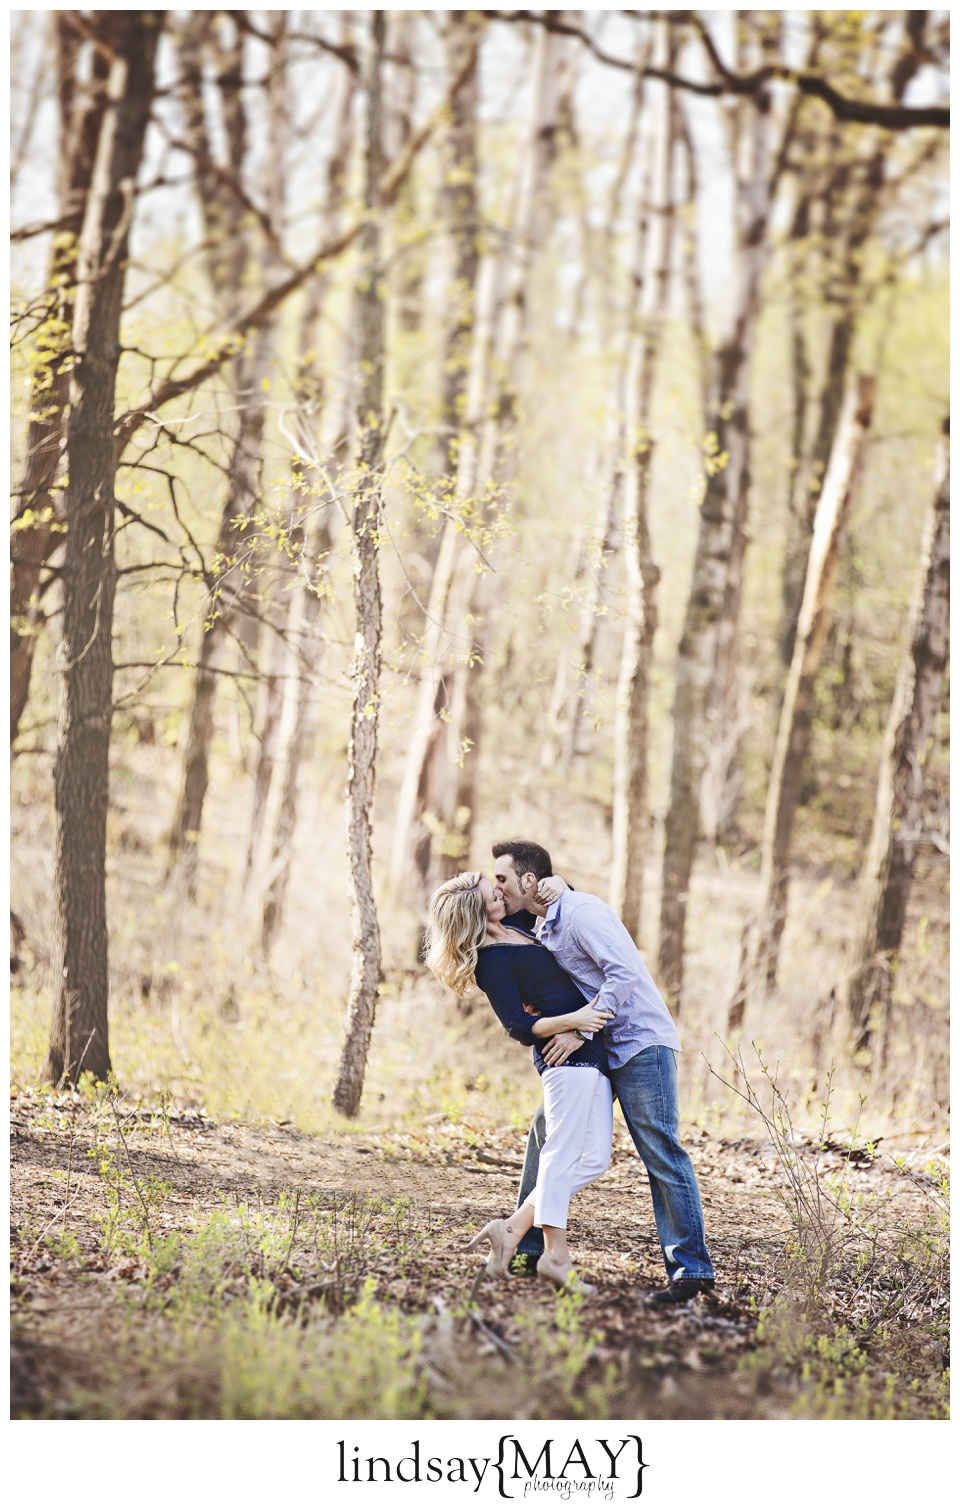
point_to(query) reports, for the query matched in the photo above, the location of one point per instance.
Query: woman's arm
(495, 979)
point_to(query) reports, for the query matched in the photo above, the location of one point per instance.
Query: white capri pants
(578, 1107)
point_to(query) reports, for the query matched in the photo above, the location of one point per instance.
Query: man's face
(517, 890)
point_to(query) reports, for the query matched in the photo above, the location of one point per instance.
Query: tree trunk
(461, 207)
(269, 716)
(756, 175)
(565, 717)
(756, 185)
(799, 258)
(721, 515)
(407, 281)
(865, 203)
(598, 244)
(222, 208)
(862, 219)
(450, 651)
(533, 218)
(693, 286)
(425, 843)
(229, 589)
(274, 600)
(296, 728)
(324, 430)
(311, 375)
(38, 514)
(898, 814)
(796, 717)
(227, 618)
(362, 751)
(652, 281)
(79, 1038)
(420, 828)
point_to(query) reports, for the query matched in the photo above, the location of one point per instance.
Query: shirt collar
(550, 920)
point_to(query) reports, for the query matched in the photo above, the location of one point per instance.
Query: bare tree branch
(225, 346)
(864, 112)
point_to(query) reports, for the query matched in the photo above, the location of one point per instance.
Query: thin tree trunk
(756, 176)
(79, 1038)
(533, 220)
(222, 208)
(362, 752)
(227, 618)
(843, 327)
(462, 211)
(226, 264)
(296, 731)
(693, 286)
(565, 716)
(862, 218)
(229, 593)
(407, 291)
(24, 53)
(593, 242)
(311, 377)
(38, 513)
(630, 814)
(425, 837)
(798, 272)
(414, 833)
(267, 728)
(898, 815)
(757, 185)
(275, 617)
(796, 717)
(631, 838)
(495, 346)
(720, 517)
(324, 433)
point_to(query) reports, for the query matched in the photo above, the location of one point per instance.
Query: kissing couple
(564, 976)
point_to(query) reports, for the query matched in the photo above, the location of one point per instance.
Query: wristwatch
(582, 1036)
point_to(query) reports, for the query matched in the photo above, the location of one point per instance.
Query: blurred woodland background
(433, 427)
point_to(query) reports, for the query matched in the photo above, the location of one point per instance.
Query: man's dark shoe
(678, 1291)
(524, 1265)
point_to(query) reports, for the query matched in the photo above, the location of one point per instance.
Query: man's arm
(600, 934)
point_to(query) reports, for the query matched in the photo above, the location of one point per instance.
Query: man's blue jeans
(646, 1087)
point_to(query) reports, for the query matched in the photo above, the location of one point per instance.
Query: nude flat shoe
(563, 1280)
(495, 1233)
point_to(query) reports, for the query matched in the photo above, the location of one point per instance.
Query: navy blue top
(512, 974)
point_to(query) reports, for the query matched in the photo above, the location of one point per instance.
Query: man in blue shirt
(592, 945)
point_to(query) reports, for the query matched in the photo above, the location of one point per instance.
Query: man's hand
(549, 889)
(588, 1019)
(532, 1011)
(560, 1047)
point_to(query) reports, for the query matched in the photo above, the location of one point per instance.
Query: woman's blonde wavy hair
(458, 921)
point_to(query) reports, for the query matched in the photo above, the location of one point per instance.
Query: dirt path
(450, 1177)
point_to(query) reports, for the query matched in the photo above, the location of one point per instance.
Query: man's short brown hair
(528, 858)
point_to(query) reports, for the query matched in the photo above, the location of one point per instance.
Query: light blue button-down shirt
(592, 945)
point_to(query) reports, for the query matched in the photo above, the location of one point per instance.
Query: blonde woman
(469, 944)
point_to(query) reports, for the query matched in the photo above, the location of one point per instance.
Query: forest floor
(166, 1265)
